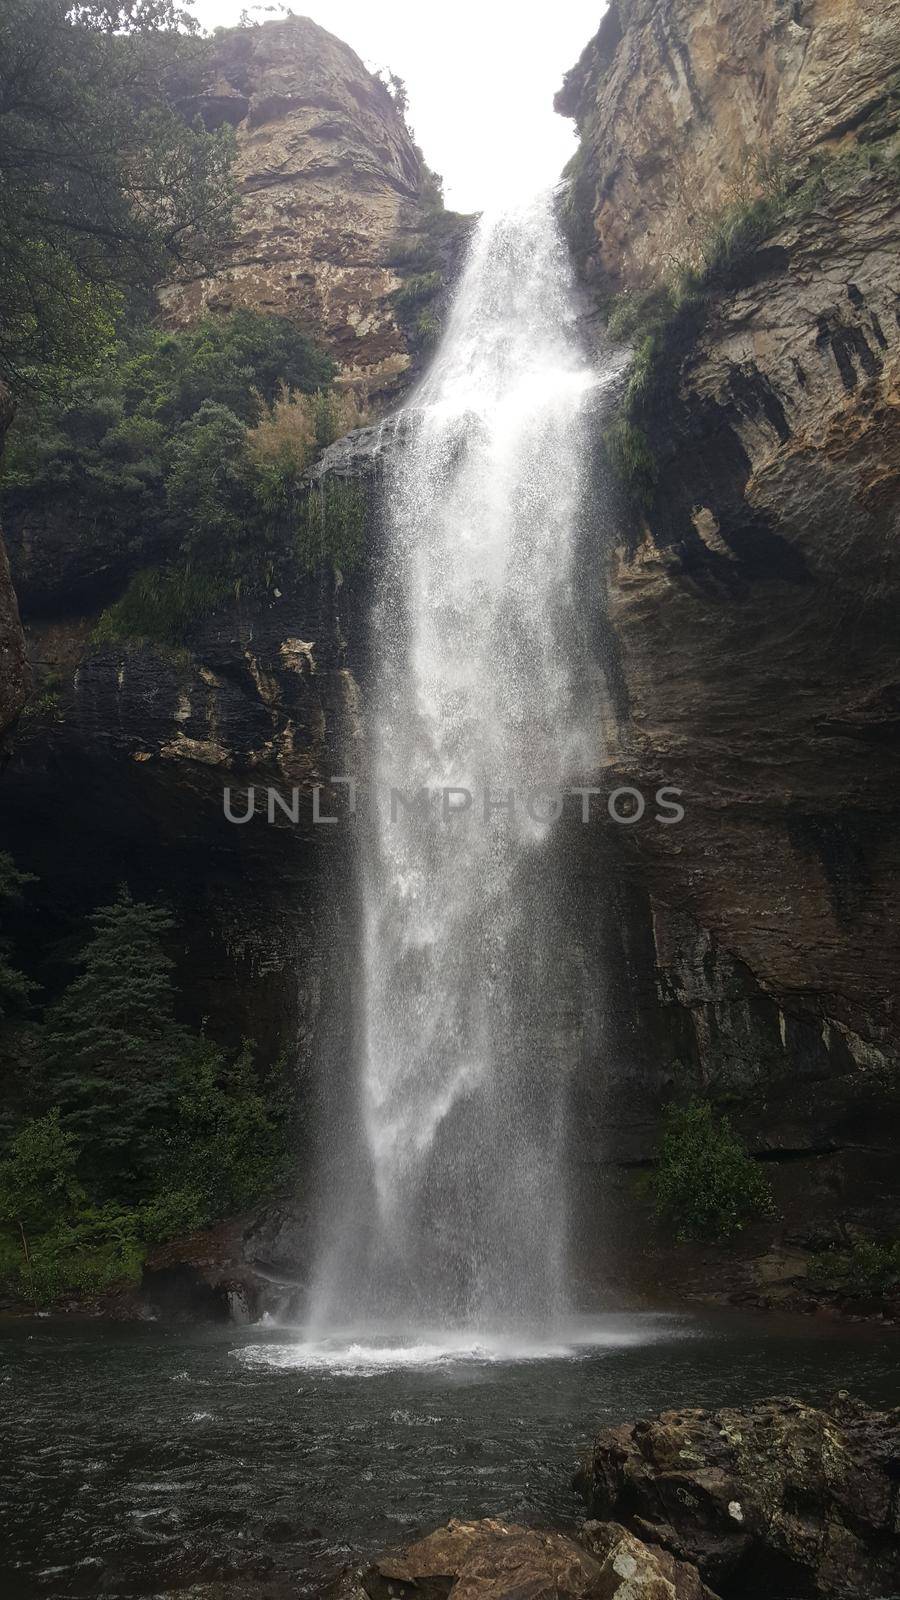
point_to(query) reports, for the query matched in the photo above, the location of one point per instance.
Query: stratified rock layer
(750, 593)
(331, 192)
(676, 100)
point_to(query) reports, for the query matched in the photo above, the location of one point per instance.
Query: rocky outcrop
(492, 1560)
(776, 1498)
(337, 211)
(749, 586)
(676, 100)
(119, 773)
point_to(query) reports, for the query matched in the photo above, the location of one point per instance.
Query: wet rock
(493, 1560)
(633, 1570)
(777, 1498)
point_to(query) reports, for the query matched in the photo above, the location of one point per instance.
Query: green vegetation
(190, 448)
(332, 525)
(15, 989)
(705, 1185)
(131, 1127)
(863, 1267)
(418, 289)
(104, 188)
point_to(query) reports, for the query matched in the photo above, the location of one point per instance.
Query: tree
(15, 988)
(114, 1050)
(38, 1178)
(104, 186)
(239, 361)
(706, 1185)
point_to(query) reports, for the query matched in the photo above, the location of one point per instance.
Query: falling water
(455, 1200)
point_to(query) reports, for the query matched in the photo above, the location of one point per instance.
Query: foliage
(705, 1184)
(104, 187)
(160, 605)
(190, 449)
(146, 1131)
(631, 459)
(332, 523)
(294, 427)
(38, 1176)
(224, 1147)
(113, 1049)
(416, 290)
(863, 1267)
(240, 361)
(15, 988)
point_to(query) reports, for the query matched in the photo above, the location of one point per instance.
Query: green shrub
(631, 459)
(416, 290)
(16, 989)
(160, 606)
(331, 525)
(863, 1267)
(426, 329)
(706, 1186)
(183, 455)
(89, 1252)
(38, 1175)
(144, 1130)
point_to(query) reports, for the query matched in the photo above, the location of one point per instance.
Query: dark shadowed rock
(777, 1498)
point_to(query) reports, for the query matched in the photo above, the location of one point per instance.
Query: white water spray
(454, 1201)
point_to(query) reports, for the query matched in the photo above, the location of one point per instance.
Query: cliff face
(752, 582)
(675, 101)
(333, 197)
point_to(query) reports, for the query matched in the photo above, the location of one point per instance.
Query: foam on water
(365, 1354)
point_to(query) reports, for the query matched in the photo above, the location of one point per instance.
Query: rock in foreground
(492, 1560)
(776, 1498)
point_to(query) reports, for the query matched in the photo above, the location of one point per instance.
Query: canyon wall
(676, 101)
(750, 574)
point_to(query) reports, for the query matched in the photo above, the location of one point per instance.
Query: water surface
(141, 1460)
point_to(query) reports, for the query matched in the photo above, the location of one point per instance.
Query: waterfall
(454, 1202)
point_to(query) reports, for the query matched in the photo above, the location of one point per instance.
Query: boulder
(491, 1560)
(777, 1498)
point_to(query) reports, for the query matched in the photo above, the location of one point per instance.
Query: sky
(480, 74)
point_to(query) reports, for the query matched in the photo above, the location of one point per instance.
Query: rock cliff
(675, 100)
(750, 574)
(337, 210)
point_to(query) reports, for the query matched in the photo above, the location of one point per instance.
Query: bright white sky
(481, 76)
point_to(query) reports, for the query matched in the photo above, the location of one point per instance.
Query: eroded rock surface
(676, 99)
(749, 591)
(333, 198)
